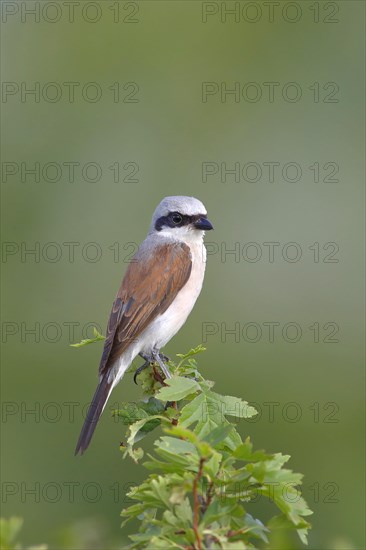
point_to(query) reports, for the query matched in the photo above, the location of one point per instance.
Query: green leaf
(204, 449)
(192, 352)
(218, 510)
(177, 448)
(184, 512)
(234, 406)
(218, 434)
(132, 412)
(9, 530)
(140, 429)
(277, 523)
(245, 452)
(202, 459)
(177, 388)
(209, 409)
(97, 338)
(160, 490)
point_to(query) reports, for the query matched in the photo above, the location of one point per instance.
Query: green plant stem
(196, 508)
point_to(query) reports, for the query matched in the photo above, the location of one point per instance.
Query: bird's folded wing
(150, 285)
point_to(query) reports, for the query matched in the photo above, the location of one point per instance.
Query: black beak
(204, 224)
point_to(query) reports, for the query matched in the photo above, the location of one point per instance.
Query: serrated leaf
(210, 404)
(184, 511)
(193, 351)
(282, 522)
(202, 449)
(177, 388)
(132, 412)
(138, 430)
(218, 434)
(245, 452)
(234, 406)
(160, 490)
(212, 465)
(209, 409)
(217, 510)
(175, 446)
(193, 411)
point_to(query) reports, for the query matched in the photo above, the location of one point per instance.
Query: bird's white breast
(164, 327)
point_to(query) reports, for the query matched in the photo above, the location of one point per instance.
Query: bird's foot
(140, 369)
(151, 358)
(160, 358)
(155, 357)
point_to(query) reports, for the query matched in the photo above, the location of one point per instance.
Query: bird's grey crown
(189, 206)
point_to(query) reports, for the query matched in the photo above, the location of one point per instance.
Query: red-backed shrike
(158, 292)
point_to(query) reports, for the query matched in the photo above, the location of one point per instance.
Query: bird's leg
(148, 361)
(159, 359)
(164, 358)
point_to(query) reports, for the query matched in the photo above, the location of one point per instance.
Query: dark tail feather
(95, 410)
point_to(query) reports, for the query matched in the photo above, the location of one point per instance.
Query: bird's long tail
(95, 410)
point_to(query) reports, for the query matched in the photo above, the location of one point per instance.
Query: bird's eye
(176, 219)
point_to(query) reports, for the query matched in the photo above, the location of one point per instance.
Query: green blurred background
(309, 392)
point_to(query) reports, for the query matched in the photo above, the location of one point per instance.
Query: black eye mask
(176, 219)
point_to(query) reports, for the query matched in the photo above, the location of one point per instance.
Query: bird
(157, 293)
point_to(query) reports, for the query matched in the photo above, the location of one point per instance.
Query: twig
(175, 406)
(196, 503)
(158, 376)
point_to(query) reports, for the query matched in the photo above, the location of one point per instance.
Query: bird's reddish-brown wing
(150, 285)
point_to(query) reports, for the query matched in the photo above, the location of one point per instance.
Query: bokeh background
(307, 380)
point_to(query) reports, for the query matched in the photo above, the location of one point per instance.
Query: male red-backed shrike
(157, 293)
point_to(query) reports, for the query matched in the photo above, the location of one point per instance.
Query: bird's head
(182, 218)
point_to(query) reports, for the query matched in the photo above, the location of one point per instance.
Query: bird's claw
(140, 369)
